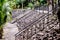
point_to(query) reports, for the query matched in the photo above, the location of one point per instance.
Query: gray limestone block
(9, 31)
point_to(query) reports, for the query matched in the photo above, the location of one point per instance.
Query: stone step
(1, 39)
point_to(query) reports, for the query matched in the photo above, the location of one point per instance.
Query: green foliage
(25, 3)
(42, 2)
(37, 3)
(5, 13)
(5, 10)
(30, 5)
(20, 2)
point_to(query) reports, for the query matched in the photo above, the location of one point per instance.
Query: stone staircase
(34, 24)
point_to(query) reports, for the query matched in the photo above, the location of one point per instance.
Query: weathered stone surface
(46, 23)
(9, 31)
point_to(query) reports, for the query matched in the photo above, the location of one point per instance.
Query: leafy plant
(5, 13)
(30, 5)
(42, 2)
(37, 3)
(18, 2)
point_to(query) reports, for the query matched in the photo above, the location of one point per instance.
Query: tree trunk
(22, 5)
(1, 33)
